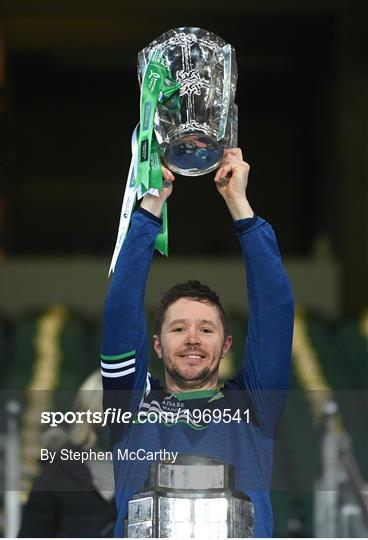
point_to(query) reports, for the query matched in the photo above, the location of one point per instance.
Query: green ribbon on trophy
(158, 86)
(145, 173)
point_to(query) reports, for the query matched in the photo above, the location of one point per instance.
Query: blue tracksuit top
(254, 397)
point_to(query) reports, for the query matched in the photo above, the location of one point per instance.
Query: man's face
(191, 344)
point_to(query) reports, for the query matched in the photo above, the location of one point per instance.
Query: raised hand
(231, 181)
(154, 204)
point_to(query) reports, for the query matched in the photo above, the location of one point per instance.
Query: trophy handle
(230, 116)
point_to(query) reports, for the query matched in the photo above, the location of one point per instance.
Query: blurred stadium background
(68, 104)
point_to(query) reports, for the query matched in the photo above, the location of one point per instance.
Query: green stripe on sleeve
(118, 356)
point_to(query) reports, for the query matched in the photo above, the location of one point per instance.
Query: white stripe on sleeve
(118, 373)
(119, 365)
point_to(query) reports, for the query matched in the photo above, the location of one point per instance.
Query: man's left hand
(231, 181)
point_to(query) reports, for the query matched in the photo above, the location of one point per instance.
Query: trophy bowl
(193, 128)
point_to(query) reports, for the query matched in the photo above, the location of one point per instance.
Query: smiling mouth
(192, 356)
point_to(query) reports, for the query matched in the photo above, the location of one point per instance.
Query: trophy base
(193, 155)
(191, 498)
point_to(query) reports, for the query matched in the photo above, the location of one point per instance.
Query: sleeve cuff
(243, 225)
(149, 215)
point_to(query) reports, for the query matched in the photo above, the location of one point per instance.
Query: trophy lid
(190, 471)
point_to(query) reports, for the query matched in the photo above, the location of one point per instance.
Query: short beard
(195, 383)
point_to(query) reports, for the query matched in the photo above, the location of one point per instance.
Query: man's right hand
(154, 204)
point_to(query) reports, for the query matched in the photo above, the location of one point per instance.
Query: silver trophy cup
(191, 498)
(193, 133)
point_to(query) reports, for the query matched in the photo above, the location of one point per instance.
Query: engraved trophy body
(192, 498)
(193, 131)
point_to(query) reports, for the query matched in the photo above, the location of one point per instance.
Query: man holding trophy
(218, 487)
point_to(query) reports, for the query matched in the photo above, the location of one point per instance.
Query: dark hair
(196, 291)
